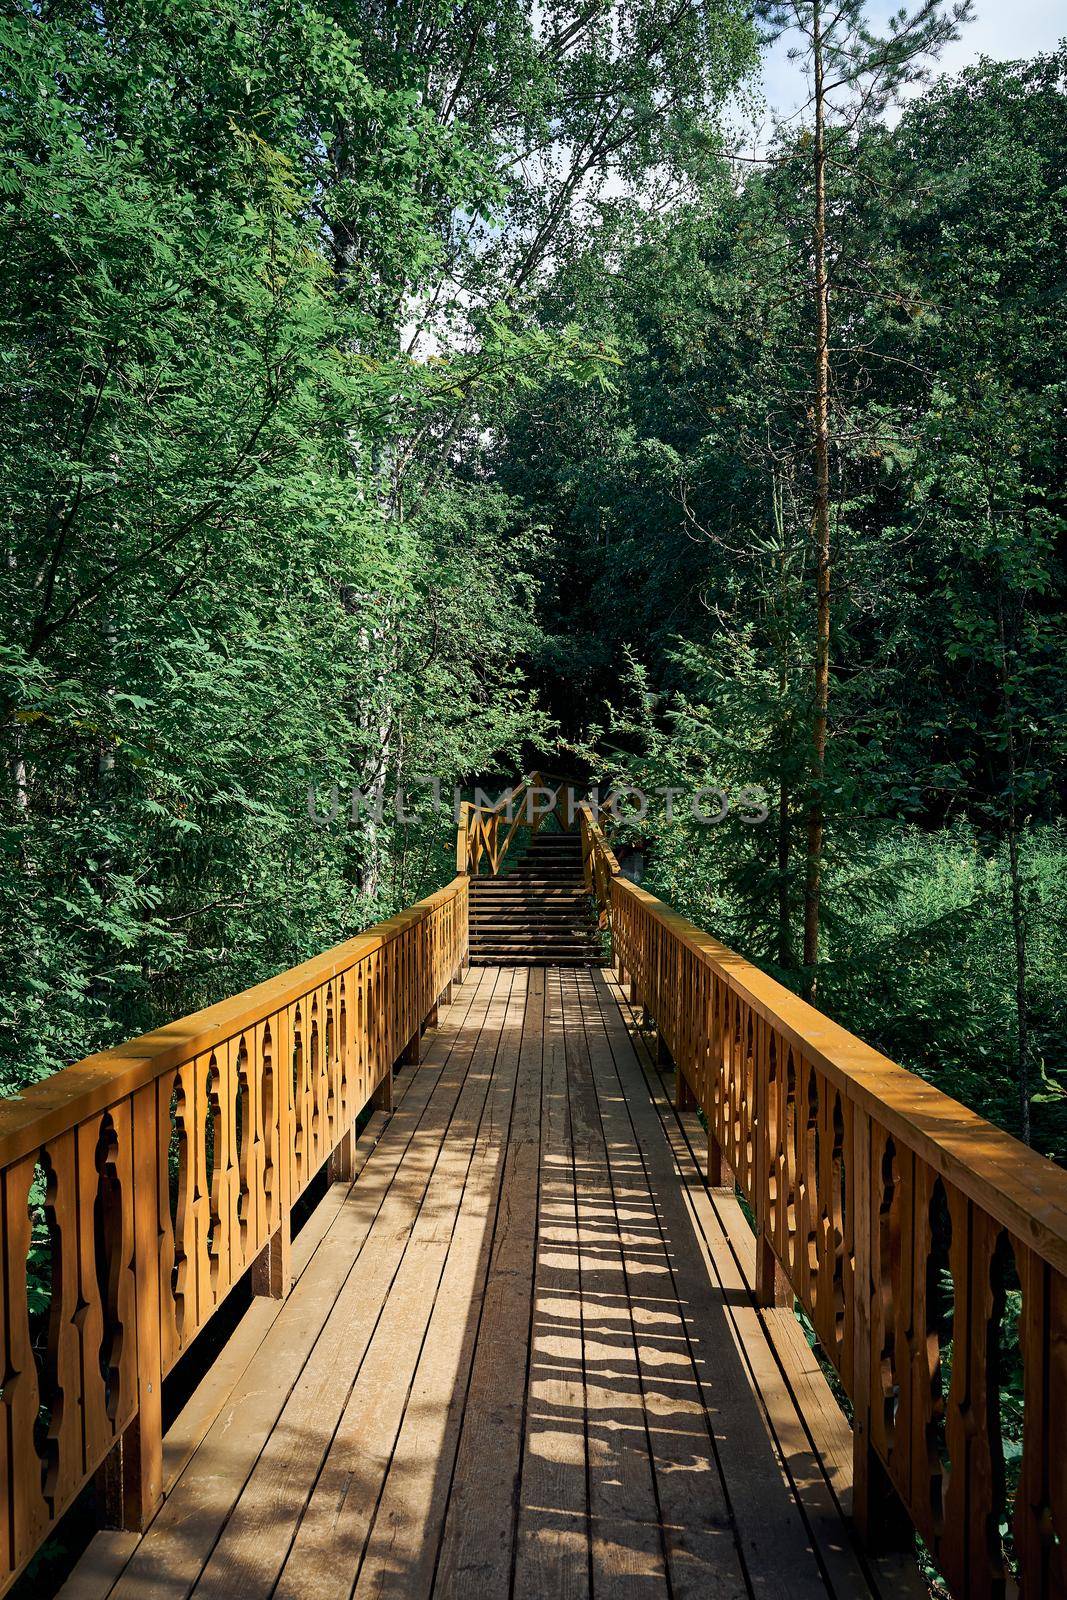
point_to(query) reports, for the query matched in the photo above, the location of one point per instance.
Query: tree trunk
(785, 929)
(1018, 927)
(1018, 916)
(785, 932)
(821, 528)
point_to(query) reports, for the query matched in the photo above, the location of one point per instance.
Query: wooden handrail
(598, 859)
(869, 1187)
(167, 1168)
(478, 831)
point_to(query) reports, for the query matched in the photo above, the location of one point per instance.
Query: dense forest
(426, 391)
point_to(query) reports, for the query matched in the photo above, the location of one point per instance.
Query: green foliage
(264, 302)
(681, 504)
(209, 602)
(388, 393)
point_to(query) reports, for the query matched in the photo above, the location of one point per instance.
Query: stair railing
(901, 1221)
(158, 1173)
(599, 864)
(487, 832)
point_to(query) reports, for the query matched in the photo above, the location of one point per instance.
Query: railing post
(382, 1098)
(720, 1178)
(463, 838)
(341, 1164)
(772, 1286)
(411, 1054)
(684, 1098)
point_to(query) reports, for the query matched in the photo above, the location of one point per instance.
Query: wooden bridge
(524, 1243)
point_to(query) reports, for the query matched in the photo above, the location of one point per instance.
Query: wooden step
(487, 915)
(549, 880)
(531, 936)
(493, 892)
(536, 958)
(489, 958)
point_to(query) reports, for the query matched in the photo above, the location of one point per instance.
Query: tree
(678, 504)
(855, 75)
(195, 556)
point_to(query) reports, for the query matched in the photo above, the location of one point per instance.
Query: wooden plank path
(521, 1358)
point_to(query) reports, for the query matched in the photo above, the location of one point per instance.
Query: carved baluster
(345, 1054)
(183, 1276)
(119, 1253)
(26, 1504)
(334, 1102)
(324, 1093)
(886, 1244)
(259, 1205)
(89, 1317)
(143, 1489)
(271, 1270)
(807, 1201)
(896, 1259)
(789, 1164)
(831, 1196)
(1040, 1520)
(768, 1185)
(60, 1444)
(218, 1130)
(850, 1285)
(167, 1167)
(204, 1153)
(749, 1108)
(360, 1082)
(992, 1267)
(270, 1160)
(297, 1089)
(241, 1107)
(120, 1307)
(776, 1136)
(314, 1085)
(935, 1303)
(878, 1226)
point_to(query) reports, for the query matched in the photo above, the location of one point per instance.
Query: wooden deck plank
(626, 1535)
(698, 1531)
(169, 1560)
(104, 1558)
(256, 1540)
(552, 1550)
(109, 1552)
(522, 1358)
(807, 1408)
(326, 1554)
(776, 1546)
(479, 1533)
(399, 1561)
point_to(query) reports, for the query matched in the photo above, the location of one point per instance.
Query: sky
(1006, 30)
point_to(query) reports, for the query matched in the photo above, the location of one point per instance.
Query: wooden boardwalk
(521, 1358)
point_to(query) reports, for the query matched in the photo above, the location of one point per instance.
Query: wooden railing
(911, 1231)
(485, 833)
(165, 1169)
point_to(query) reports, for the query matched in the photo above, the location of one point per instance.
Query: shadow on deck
(522, 1358)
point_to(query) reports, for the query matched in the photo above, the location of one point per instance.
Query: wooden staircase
(539, 914)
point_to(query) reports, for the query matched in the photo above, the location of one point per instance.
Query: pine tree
(855, 74)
